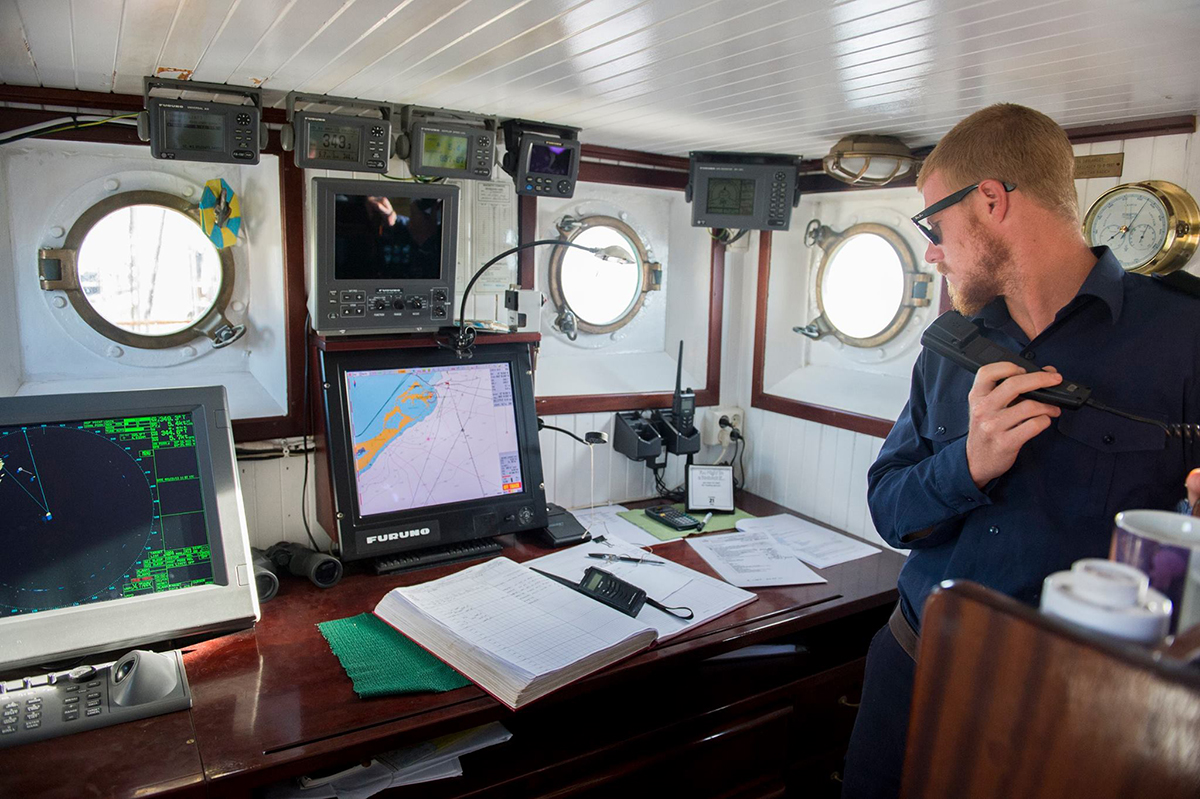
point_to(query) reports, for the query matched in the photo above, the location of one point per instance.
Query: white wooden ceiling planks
(658, 75)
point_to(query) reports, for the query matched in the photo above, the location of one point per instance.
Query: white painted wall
(50, 349)
(640, 357)
(871, 381)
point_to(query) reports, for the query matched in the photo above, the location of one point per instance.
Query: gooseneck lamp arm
(462, 339)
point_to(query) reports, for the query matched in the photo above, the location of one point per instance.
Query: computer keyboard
(449, 553)
(139, 685)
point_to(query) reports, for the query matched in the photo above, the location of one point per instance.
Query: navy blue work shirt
(1136, 343)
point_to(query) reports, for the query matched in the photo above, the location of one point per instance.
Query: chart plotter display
(432, 435)
(99, 510)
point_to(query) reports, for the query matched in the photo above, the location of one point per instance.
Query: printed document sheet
(817, 546)
(753, 560)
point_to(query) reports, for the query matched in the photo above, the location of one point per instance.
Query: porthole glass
(149, 270)
(595, 295)
(600, 292)
(862, 287)
(138, 269)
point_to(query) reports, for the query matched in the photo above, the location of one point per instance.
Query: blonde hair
(1014, 144)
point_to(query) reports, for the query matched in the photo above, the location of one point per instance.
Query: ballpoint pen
(700, 529)
(625, 558)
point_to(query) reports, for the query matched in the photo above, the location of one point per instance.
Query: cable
(54, 127)
(1189, 434)
(724, 236)
(543, 426)
(304, 431)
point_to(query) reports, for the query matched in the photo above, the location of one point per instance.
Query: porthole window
(140, 271)
(595, 296)
(866, 286)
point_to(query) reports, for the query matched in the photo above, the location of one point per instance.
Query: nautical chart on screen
(432, 436)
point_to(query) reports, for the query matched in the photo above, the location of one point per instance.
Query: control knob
(416, 303)
(398, 303)
(525, 515)
(379, 303)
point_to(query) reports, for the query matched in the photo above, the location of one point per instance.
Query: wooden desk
(273, 703)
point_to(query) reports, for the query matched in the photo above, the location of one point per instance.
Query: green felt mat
(382, 662)
(720, 522)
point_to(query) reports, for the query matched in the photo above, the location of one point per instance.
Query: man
(979, 481)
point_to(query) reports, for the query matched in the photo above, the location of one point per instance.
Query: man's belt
(903, 632)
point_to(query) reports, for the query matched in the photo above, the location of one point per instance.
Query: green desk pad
(720, 522)
(382, 662)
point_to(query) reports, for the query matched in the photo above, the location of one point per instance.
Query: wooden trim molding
(291, 204)
(709, 395)
(759, 398)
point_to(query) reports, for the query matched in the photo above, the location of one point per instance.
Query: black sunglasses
(931, 233)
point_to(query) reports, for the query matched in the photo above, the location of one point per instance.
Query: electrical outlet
(712, 434)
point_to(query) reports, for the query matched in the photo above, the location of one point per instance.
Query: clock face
(1132, 223)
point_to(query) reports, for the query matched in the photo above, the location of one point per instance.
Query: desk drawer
(826, 706)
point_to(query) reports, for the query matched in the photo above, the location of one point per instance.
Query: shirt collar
(1105, 282)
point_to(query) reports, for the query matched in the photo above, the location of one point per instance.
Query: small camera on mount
(323, 570)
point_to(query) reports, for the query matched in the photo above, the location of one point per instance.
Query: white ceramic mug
(1166, 546)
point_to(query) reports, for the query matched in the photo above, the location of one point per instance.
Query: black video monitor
(122, 522)
(386, 256)
(427, 449)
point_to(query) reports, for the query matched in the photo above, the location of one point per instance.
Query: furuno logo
(421, 534)
(379, 539)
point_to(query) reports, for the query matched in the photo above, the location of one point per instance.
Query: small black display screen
(444, 151)
(387, 238)
(546, 159)
(731, 196)
(330, 142)
(195, 131)
(99, 510)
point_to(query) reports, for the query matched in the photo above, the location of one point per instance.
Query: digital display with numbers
(194, 131)
(333, 142)
(444, 151)
(100, 510)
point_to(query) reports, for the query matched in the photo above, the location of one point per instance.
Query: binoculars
(323, 570)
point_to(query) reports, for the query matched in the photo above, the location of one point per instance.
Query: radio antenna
(679, 371)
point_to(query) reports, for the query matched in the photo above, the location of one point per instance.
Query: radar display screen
(432, 435)
(194, 130)
(99, 510)
(732, 196)
(444, 151)
(331, 142)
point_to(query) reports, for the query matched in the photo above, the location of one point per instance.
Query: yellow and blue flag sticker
(220, 213)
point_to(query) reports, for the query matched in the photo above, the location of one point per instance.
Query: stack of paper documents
(817, 546)
(768, 551)
(753, 560)
(424, 762)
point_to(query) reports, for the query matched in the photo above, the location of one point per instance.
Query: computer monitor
(426, 449)
(384, 256)
(122, 523)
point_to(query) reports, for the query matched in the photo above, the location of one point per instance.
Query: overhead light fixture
(868, 160)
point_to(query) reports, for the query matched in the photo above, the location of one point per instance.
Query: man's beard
(987, 278)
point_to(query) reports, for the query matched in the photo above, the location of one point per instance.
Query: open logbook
(519, 634)
(513, 632)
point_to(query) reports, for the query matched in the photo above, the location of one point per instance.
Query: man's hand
(1193, 491)
(1000, 424)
